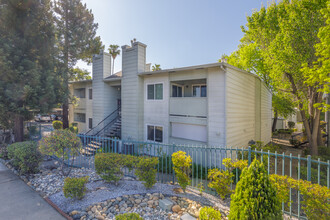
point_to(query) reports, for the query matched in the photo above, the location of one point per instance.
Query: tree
(282, 106)
(76, 40)
(156, 67)
(287, 36)
(26, 61)
(78, 74)
(64, 144)
(114, 52)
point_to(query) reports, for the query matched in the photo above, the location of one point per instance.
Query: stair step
(93, 146)
(90, 149)
(96, 143)
(87, 153)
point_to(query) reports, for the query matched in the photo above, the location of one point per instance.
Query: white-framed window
(80, 117)
(155, 133)
(199, 90)
(177, 90)
(90, 123)
(155, 91)
(80, 93)
(90, 93)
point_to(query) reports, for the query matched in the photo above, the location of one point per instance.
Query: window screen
(151, 92)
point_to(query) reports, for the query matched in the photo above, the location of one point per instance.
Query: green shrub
(75, 188)
(291, 124)
(109, 166)
(220, 180)
(129, 216)
(255, 196)
(57, 125)
(61, 143)
(209, 213)
(146, 171)
(74, 128)
(3, 151)
(182, 168)
(25, 156)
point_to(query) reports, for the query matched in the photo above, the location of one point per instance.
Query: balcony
(188, 106)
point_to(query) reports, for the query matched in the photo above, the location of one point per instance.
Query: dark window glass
(159, 134)
(203, 91)
(174, 91)
(151, 133)
(90, 93)
(151, 92)
(159, 91)
(179, 91)
(90, 123)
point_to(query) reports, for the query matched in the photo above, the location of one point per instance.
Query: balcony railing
(188, 106)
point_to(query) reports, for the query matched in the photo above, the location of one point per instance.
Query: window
(177, 91)
(90, 92)
(80, 93)
(155, 133)
(155, 91)
(199, 90)
(80, 117)
(90, 123)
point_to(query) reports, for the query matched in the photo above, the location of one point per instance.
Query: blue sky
(177, 32)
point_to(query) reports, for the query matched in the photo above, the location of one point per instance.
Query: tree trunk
(319, 137)
(19, 128)
(65, 106)
(65, 110)
(275, 121)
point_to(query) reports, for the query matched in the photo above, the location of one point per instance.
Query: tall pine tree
(76, 40)
(26, 61)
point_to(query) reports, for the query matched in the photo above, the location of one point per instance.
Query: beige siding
(84, 105)
(156, 112)
(240, 108)
(216, 107)
(134, 60)
(266, 114)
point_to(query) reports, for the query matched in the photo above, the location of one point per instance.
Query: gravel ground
(100, 191)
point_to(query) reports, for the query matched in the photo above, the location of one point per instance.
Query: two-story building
(213, 104)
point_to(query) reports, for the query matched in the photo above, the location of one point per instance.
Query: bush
(75, 188)
(220, 180)
(209, 213)
(182, 168)
(291, 124)
(57, 125)
(255, 196)
(315, 202)
(25, 156)
(3, 151)
(62, 143)
(129, 216)
(74, 128)
(109, 166)
(146, 171)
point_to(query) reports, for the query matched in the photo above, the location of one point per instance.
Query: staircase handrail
(107, 125)
(101, 122)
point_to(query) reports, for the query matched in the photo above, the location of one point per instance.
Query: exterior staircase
(97, 138)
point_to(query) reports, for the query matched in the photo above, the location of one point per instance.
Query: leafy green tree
(288, 41)
(26, 61)
(76, 40)
(114, 52)
(78, 74)
(156, 67)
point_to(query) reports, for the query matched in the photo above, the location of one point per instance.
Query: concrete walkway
(18, 201)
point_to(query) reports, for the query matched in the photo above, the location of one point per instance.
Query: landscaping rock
(176, 208)
(165, 204)
(187, 217)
